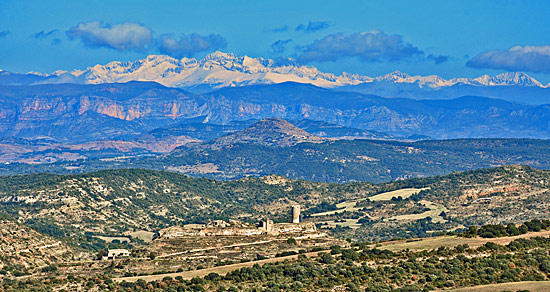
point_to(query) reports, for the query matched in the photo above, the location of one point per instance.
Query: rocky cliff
(82, 113)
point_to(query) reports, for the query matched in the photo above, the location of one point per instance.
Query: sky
(446, 38)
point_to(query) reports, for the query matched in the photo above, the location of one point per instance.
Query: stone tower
(296, 214)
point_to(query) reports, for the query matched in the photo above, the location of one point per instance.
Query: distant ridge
(269, 132)
(76, 113)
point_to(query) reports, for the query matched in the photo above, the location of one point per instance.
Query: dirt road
(222, 270)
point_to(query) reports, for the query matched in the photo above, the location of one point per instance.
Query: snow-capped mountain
(215, 70)
(434, 81)
(219, 69)
(509, 78)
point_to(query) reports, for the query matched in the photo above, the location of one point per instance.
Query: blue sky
(448, 38)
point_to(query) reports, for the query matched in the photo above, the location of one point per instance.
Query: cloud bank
(312, 26)
(534, 59)
(130, 36)
(438, 59)
(123, 37)
(188, 45)
(373, 46)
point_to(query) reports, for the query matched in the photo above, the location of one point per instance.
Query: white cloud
(188, 45)
(519, 58)
(123, 37)
(373, 46)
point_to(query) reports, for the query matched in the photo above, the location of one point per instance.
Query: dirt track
(451, 241)
(222, 270)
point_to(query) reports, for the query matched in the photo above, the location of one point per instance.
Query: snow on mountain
(434, 81)
(509, 78)
(220, 69)
(217, 70)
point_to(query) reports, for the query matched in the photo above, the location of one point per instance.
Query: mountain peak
(515, 78)
(394, 76)
(218, 55)
(268, 131)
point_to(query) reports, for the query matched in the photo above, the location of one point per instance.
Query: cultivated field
(350, 206)
(403, 193)
(435, 210)
(451, 241)
(351, 223)
(347, 206)
(532, 286)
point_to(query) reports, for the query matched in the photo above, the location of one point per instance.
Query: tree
(325, 258)
(102, 253)
(512, 230)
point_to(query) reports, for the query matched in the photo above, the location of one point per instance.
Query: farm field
(532, 286)
(452, 241)
(351, 206)
(351, 223)
(434, 212)
(403, 193)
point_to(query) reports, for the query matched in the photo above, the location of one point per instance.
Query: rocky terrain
(23, 250)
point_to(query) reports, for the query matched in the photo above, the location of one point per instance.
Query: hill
(121, 202)
(327, 160)
(198, 129)
(87, 210)
(267, 132)
(23, 250)
(351, 160)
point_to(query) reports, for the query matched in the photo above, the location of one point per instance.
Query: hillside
(23, 250)
(115, 208)
(352, 160)
(121, 202)
(267, 132)
(266, 153)
(198, 129)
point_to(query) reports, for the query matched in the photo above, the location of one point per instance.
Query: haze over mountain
(219, 70)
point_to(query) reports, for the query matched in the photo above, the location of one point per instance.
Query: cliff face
(87, 113)
(80, 113)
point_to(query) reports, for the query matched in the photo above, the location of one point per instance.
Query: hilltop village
(237, 228)
(217, 243)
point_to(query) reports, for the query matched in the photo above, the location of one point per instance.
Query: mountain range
(74, 113)
(218, 70)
